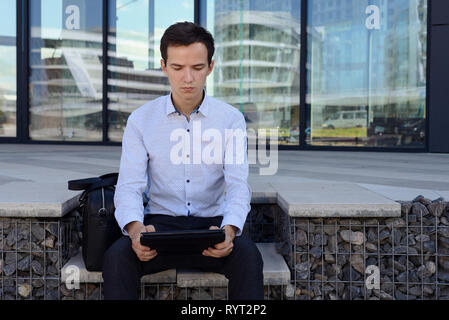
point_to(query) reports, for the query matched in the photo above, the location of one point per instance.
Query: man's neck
(186, 107)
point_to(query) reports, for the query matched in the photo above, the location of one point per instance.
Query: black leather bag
(100, 229)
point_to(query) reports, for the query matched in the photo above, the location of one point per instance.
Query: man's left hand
(222, 249)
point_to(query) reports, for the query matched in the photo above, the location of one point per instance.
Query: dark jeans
(122, 269)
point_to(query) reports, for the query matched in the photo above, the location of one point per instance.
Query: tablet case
(182, 242)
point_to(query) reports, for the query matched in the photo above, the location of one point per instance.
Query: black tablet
(182, 242)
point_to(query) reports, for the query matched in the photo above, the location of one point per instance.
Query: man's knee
(117, 254)
(246, 249)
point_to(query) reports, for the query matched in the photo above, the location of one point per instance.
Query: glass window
(8, 92)
(66, 70)
(369, 65)
(257, 45)
(134, 69)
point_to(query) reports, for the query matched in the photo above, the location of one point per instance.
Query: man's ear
(211, 67)
(163, 66)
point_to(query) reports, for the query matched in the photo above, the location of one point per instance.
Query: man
(188, 191)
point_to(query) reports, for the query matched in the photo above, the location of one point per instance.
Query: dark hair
(184, 34)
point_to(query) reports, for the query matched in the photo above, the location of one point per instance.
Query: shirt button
(188, 130)
(188, 156)
(188, 203)
(188, 181)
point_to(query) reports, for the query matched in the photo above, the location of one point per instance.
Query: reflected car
(346, 119)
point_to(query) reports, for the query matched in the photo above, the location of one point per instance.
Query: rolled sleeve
(238, 191)
(133, 177)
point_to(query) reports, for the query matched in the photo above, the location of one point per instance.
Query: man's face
(187, 69)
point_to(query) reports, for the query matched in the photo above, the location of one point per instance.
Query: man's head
(187, 50)
(184, 34)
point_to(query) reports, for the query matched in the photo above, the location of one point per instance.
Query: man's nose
(188, 76)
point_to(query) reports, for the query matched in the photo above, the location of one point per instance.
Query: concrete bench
(276, 272)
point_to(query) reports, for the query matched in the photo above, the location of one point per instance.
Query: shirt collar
(202, 108)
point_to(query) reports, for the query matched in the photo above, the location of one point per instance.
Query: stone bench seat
(276, 272)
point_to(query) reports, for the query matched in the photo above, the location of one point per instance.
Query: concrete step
(333, 199)
(276, 272)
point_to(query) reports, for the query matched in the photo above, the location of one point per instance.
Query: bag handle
(90, 184)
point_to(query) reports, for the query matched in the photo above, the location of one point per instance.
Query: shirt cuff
(123, 221)
(234, 220)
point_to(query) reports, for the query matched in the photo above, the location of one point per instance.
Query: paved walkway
(39, 173)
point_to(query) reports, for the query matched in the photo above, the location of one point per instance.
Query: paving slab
(331, 199)
(77, 263)
(401, 193)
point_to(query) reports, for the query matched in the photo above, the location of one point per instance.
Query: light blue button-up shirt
(189, 187)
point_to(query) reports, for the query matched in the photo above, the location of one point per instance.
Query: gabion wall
(32, 252)
(327, 257)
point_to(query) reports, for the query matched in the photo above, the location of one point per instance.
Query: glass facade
(366, 77)
(134, 69)
(257, 61)
(65, 85)
(8, 78)
(364, 83)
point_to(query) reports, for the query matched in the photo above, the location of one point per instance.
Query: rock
(353, 237)
(436, 208)
(384, 235)
(419, 209)
(302, 270)
(52, 228)
(430, 266)
(382, 294)
(12, 237)
(9, 269)
(443, 276)
(49, 242)
(444, 221)
(404, 249)
(24, 264)
(357, 263)
(429, 246)
(395, 223)
(444, 262)
(316, 252)
(411, 218)
(329, 258)
(24, 289)
(11, 257)
(406, 206)
(301, 237)
(422, 238)
(200, 294)
(423, 273)
(37, 267)
(370, 247)
(37, 283)
(332, 245)
(408, 240)
(443, 231)
(443, 242)
(38, 231)
(402, 277)
(421, 199)
(319, 276)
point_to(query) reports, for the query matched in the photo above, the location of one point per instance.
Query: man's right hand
(134, 230)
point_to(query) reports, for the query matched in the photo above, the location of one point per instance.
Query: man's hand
(134, 229)
(222, 249)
